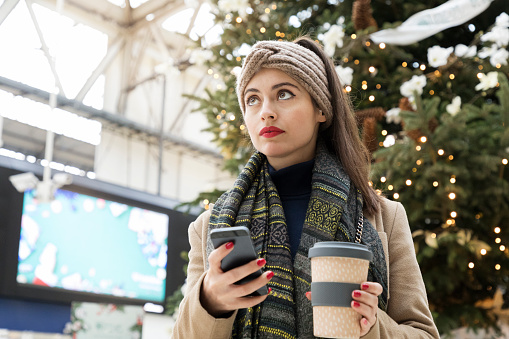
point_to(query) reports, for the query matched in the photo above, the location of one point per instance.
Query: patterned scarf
(334, 209)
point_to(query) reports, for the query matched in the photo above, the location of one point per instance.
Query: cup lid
(340, 249)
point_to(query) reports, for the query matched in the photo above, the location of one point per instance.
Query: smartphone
(242, 253)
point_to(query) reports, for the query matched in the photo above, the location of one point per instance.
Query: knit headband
(300, 63)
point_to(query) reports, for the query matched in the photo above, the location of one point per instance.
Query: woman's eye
(284, 95)
(251, 101)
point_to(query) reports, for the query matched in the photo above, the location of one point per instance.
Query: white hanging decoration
(431, 21)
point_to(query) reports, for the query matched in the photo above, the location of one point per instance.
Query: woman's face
(281, 118)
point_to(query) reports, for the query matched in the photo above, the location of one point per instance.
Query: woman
(307, 182)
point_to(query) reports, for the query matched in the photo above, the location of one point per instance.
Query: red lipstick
(270, 132)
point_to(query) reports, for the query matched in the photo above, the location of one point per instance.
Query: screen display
(82, 243)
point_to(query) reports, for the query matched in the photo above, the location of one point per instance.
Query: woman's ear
(321, 116)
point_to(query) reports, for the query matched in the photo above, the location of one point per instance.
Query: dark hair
(342, 136)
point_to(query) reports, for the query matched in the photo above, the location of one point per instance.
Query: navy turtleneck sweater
(293, 184)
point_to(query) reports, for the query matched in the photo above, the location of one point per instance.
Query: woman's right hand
(219, 295)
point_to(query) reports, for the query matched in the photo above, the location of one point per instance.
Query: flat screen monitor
(92, 245)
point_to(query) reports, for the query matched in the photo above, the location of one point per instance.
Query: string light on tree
(417, 148)
(504, 161)
(452, 196)
(206, 203)
(390, 187)
(423, 139)
(396, 196)
(452, 180)
(383, 179)
(502, 248)
(497, 267)
(483, 251)
(498, 241)
(471, 265)
(381, 45)
(454, 214)
(408, 182)
(496, 230)
(435, 183)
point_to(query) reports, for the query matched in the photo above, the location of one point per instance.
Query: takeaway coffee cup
(337, 269)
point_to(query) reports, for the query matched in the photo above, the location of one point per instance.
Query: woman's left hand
(365, 302)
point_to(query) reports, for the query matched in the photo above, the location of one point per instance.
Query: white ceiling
(126, 23)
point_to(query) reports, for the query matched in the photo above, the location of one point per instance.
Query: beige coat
(407, 316)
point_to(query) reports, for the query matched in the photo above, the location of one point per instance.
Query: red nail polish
(229, 245)
(356, 294)
(260, 262)
(356, 304)
(270, 275)
(308, 294)
(270, 289)
(364, 286)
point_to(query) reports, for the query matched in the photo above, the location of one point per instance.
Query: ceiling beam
(108, 118)
(158, 8)
(6, 9)
(113, 51)
(99, 14)
(45, 48)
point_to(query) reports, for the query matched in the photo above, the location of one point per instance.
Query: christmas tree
(432, 109)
